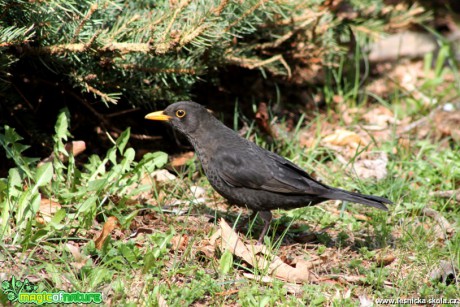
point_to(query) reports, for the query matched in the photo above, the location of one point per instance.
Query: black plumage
(246, 174)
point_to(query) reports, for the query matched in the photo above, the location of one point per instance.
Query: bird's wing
(263, 170)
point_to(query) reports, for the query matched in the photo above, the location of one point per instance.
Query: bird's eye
(180, 113)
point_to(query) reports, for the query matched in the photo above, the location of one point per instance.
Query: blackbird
(246, 174)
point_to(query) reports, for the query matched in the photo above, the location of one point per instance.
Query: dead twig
(454, 194)
(253, 63)
(123, 112)
(23, 97)
(106, 123)
(99, 93)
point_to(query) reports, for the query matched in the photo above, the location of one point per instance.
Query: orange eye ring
(180, 113)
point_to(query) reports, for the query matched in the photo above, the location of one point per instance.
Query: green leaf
(58, 217)
(13, 150)
(62, 124)
(264, 301)
(35, 203)
(3, 185)
(154, 160)
(5, 217)
(39, 234)
(14, 183)
(44, 174)
(112, 155)
(129, 157)
(87, 204)
(149, 262)
(123, 140)
(96, 185)
(128, 253)
(160, 159)
(11, 136)
(130, 154)
(225, 262)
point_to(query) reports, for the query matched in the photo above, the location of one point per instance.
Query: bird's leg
(245, 221)
(266, 216)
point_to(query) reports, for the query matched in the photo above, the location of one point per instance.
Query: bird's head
(185, 116)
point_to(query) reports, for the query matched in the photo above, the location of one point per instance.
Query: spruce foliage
(157, 49)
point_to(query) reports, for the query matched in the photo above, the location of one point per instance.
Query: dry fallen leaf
(207, 247)
(384, 258)
(162, 175)
(443, 229)
(179, 242)
(339, 295)
(197, 191)
(447, 124)
(161, 301)
(439, 123)
(364, 301)
(80, 260)
(380, 117)
(445, 272)
(263, 120)
(258, 256)
(371, 165)
(344, 138)
(47, 210)
(182, 159)
(110, 224)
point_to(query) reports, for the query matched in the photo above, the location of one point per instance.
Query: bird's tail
(369, 200)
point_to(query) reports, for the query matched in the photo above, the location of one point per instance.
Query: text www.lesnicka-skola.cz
(394, 301)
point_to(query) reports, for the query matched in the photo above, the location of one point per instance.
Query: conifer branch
(91, 11)
(97, 92)
(163, 47)
(246, 14)
(192, 35)
(122, 48)
(124, 26)
(182, 71)
(218, 10)
(168, 44)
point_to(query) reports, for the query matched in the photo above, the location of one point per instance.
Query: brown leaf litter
(454, 194)
(443, 229)
(446, 272)
(109, 225)
(260, 257)
(287, 267)
(47, 210)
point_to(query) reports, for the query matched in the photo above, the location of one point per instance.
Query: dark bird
(246, 174)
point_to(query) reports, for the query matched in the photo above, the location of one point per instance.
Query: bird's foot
(266, 216)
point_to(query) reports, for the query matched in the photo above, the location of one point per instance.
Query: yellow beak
(158, 115)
